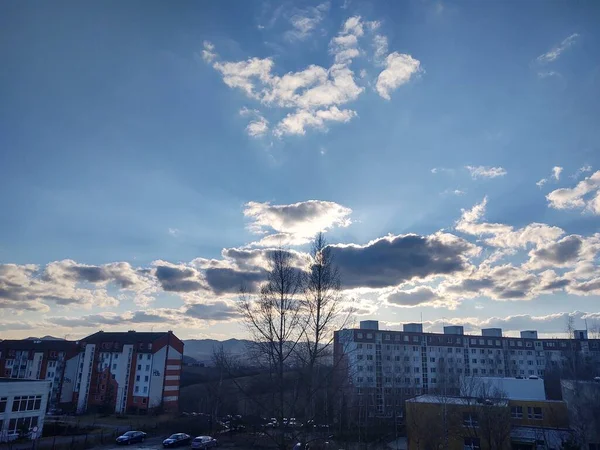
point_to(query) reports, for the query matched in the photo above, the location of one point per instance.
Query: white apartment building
(23, 405)
(386, 365)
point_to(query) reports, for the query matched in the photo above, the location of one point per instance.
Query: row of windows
(533, 412)
(22, 423)
(137, 378)
(27, 403)
(137, 389)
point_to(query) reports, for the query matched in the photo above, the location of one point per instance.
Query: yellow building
(436, 422)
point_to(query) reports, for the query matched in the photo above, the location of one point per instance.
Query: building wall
(380, 361)
(157, 377)
(554, 414)
(12, 389)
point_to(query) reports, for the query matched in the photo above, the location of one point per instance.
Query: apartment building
(110, 371)
(385, 366)
(23, 405)
(33, 359)
(522, 418)
(120, 372)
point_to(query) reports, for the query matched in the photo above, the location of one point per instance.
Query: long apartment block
(414, 362)
(116, 371)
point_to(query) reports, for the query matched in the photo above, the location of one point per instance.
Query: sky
(153, 153)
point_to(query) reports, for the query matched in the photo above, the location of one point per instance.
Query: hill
(202, 349)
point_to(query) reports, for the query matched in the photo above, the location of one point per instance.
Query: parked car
(131, 437)
(177, 439)
(204, 442)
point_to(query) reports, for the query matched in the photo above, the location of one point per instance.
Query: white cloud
(485, 171)
(258, 127)
(296, 223)
(556, 171)
(174, 232)
(380, 44)
(298, 122)
(399, 68)
(207, 53)
(583, 169)
(583, 195)
(305, 21)
(542, 182)
(548, 74)
(556, 51)
(315, 95)
(505, 236)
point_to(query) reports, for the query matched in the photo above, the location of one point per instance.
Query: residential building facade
(23, 404)
(383, 367)
(33, 359)
(110, 371)
(120, 372)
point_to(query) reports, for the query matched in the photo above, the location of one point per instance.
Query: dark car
(204, 442)
(177, 439)
(131, 437)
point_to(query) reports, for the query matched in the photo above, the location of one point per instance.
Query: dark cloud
(212, 311)
(231, 281)
(176, 279)
(555, 285)
(392, 260)
(500, 283)
(91, 274)
(413, 297)
(563, 251)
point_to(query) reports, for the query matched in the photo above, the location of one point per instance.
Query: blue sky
(141, 143)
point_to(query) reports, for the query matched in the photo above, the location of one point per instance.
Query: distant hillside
(202, 349)
(45, 338)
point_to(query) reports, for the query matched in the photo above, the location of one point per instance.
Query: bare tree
(275, 322)
(324, 314)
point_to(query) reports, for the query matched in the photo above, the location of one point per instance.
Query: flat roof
(428, 398)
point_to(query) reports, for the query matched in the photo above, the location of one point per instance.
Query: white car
(204, 442)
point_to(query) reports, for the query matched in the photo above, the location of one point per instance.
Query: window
(432, 370)
(489, 342)
(431, 359)
(137, 389)
(482, 361)
(369, 357)
(530, 363)
(534, 412)
(147, 367)
(3, 401)
(417, 381)
(27, 403)
(516, 412)
(470, 420)
(140, 356)
(482, 352)
(369, 368)
(148, 356)
(360, 368)
(482, 371)
(433, 380)
(114, 367)
(407, 370)
(369, 379)
(359, 335)
(145, 389)
(417, 370)
(137, 378)
(449, 349)
(139, 366)
(497, 343)
(405, 338)
(473, 350)
(146, 378)
(369, 335)
(474, 360)
(475, 371)
(472, 444)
